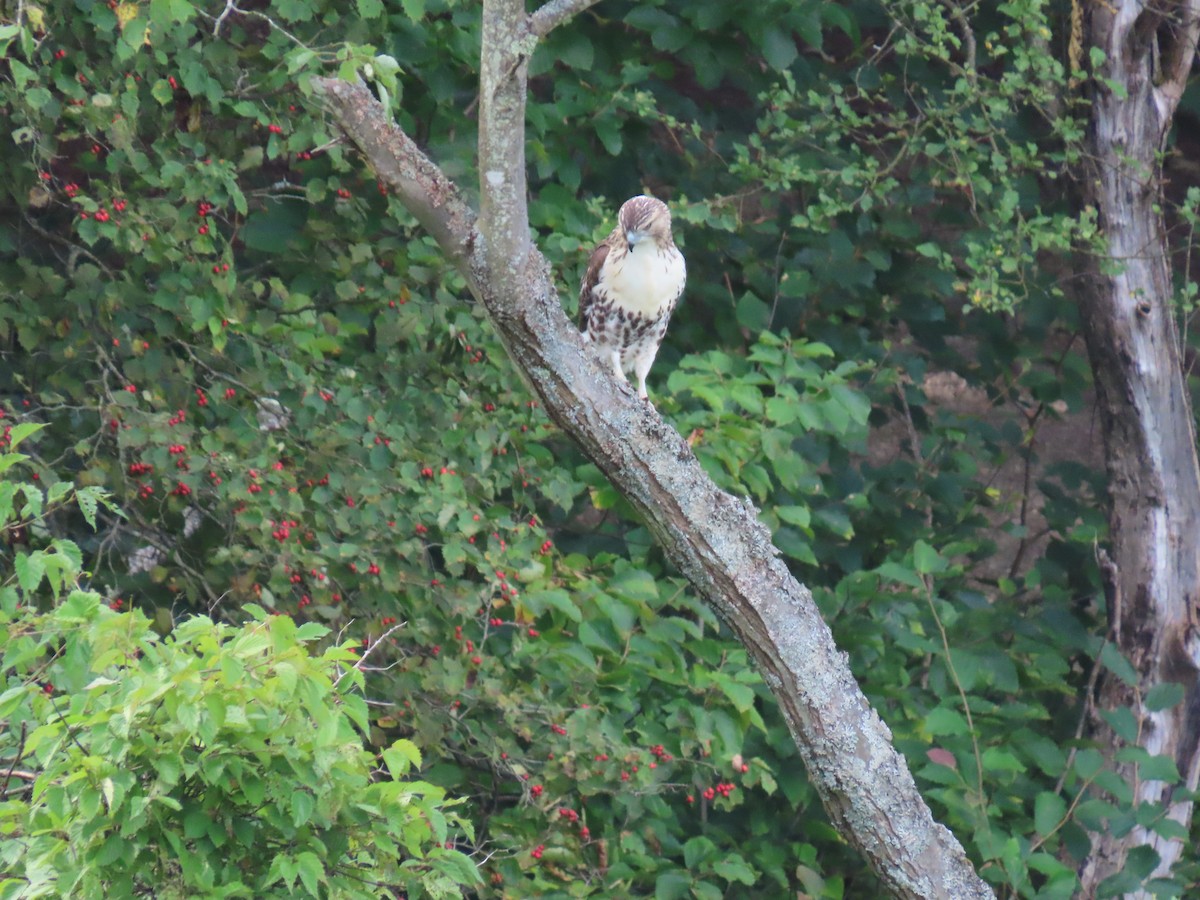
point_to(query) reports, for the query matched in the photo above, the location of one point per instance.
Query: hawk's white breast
(645, 280)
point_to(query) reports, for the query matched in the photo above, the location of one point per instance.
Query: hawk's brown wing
(590, 278)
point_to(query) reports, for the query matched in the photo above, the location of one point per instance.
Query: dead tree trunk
(1153, 575)
(712, 537)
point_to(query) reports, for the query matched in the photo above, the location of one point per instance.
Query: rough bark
(713, 538)
(1153, 576)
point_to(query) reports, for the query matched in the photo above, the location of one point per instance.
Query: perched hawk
(632, 283)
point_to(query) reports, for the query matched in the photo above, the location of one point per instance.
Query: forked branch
(713, 538)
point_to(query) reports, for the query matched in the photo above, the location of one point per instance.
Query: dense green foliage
(216, 762)
(224, 322)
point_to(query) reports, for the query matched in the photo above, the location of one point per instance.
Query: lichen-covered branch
(425, 191)
(503, 211)
(555, 13)
(713, 538)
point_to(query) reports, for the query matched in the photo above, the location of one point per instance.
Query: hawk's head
(644, 217)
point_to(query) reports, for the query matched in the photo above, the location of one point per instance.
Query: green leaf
(672, 886)
(1163, 696)
(1142, 860)
(8, 491)
(311, 631)
(275, 228)
(1123, 722)
(608, 129)
(22, 430)
(996, 759)
(303, 804)
(89, 499)
(752, 312)
(800, 516)
(927, 560)
(734, 868)
(1048, 812)
(747, 396)
(740, 695)
(311, 871)
(21, 74)
(576, 50)
(894, 571)
(1111, 659)
(538, 602)
(698, 850)
(402, 756)
(30, 570)
(943, 721)
(1088, 762)
(1159, 768)
(779, 49)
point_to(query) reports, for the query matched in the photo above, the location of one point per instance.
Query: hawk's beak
(633, 238)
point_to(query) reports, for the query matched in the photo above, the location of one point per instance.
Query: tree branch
(425, 191)
(713, 538)
(503, 210)
(555, 13)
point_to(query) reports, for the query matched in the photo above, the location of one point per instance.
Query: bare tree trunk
(1153, 576)
(712, 537)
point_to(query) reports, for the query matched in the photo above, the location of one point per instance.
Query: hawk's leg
(641, 367)
(615, 356)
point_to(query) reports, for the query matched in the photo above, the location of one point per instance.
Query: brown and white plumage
(633, 281)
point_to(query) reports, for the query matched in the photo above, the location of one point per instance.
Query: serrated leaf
(30, 570)
(303, 804)
(88, 499)
(401, 757)
(747, 396)
(311, 871)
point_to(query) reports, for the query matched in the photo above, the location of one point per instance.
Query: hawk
(633, 281)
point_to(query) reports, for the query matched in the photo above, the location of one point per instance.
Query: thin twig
(229, 7)
(371, 649)
(16, 759)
